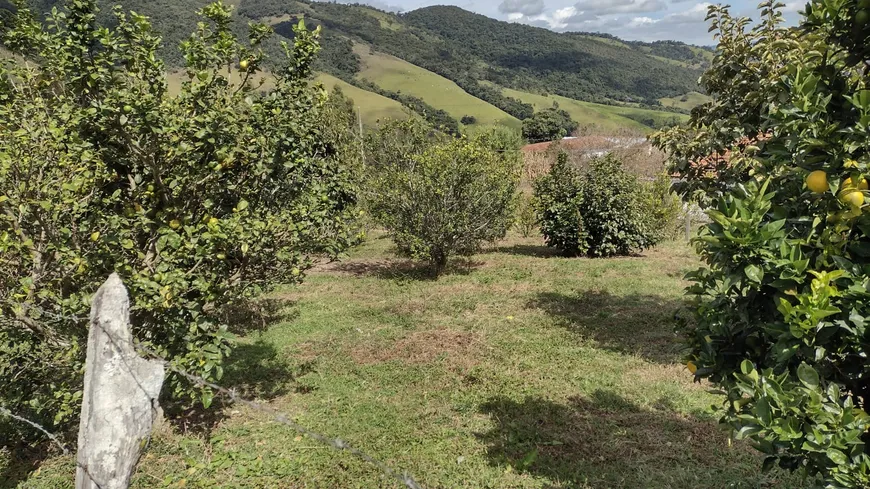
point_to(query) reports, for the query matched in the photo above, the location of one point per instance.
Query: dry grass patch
(421, 348)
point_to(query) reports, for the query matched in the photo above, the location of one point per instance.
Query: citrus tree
(600, 211)
(198, 200)
(439, 196)
(780, 310)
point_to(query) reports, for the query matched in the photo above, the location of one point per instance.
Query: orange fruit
(817, 182)
(862, 183)
(855, 198)
(692, 367)
(243, 64)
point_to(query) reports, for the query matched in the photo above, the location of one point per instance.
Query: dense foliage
(548, 125)
(780, 311)
(439, 196)
(198, 201)
(600, 212)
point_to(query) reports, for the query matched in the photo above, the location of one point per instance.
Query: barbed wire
(337, 443)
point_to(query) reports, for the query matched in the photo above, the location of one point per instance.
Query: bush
(526, 220)
(438, 196)
(558, 200)
(197, 201)
(548, 125)
(779, 312)
(468, 120)
(604, 211)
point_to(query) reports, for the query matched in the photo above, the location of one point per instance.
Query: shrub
(616, 220)
(604, 211)
(468, 120)
(558, 200)
(197, 201)
(439, 196)
(526, 220)
(548, 125)
(779, 312)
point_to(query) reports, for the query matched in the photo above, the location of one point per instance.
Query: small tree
(197, 201)
(780, 311)
(440, 197)
(604, 211)
(468, 120)
(558, 200)
(548, 125)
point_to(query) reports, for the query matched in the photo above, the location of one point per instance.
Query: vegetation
(601, 212)
(373, 108)
(528, 372)
(548, 125)
(439, 197)
(780, 309)
(101, 171)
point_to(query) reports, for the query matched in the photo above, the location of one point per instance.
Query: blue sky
(645, 20)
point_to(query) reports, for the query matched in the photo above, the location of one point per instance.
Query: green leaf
(754, 273)
(808, 376)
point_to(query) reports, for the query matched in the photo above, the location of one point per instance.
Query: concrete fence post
(119, 403)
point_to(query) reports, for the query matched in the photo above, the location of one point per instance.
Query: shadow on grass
(249, 316)
(405, 269)
(632, 324)
(21, 461)
(604, 441)
(253, 371)
(534, 251)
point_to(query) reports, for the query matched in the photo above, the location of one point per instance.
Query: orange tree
(781, 310)
(198, 200)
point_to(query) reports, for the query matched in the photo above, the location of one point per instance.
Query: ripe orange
(862, 183)
(855, 198)
(243, 64)
(817, 182)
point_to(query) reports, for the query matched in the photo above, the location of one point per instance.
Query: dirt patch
(422, 347)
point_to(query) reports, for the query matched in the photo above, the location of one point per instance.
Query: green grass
(598, 116)
(518, 370)
(373, 107)
(394, 74)
(693, 99)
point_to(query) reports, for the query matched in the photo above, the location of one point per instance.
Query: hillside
(397, 75)
(599, 116)
(446, 63)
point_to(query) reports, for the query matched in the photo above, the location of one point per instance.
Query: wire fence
(230, 395)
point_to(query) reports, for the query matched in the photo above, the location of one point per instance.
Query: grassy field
(597, 116)
(693, 99)
(397, 75)
(517, 370)
(373, 107)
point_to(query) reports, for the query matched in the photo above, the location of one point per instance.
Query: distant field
(374, 107)
(398, 75)
(597, 116)
(693, 99)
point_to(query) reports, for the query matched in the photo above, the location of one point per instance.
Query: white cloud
(523, 7)
(607, 7)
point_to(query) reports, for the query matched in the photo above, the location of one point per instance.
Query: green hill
(397, 75)
(446, 63)
(687, 102)
(373, 107)
(600, 116)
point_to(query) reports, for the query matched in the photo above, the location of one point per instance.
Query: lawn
(602, 117)
(397, 75)
(517, 370)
